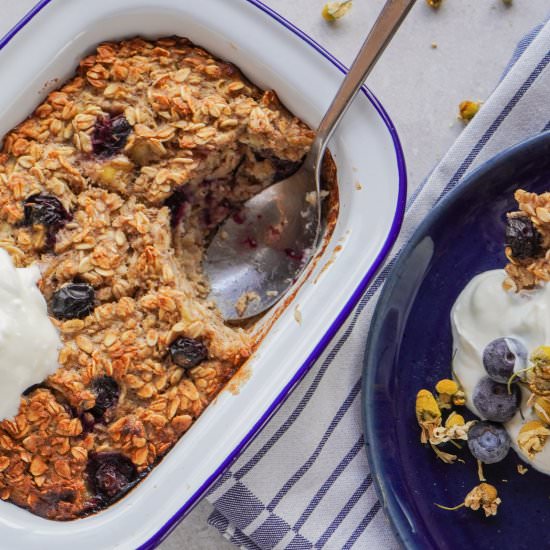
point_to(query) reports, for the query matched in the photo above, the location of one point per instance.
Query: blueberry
(47, 210)
(494, 402)
(34, 387)
(177, 204)
(522, 237)
(110, 474)
(488, 442)
(107, 392)
(73, 301)
(110, 135)
(187, 352)
(284, 168)
(504, 356)
(88, 421)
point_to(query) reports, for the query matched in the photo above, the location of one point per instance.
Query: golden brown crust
(198, 128)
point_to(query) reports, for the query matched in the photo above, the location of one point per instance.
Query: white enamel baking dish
(41, 52)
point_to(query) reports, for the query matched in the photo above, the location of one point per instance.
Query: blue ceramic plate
(409, 348)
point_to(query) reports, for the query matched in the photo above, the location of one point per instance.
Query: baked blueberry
(284, 168)
(73, 301)
(187, 352)
(177, 204)
(504, 356)
(110, 135)
(107, 392)
(110, 474)
(522, 237)
(488, 442)
(45, 209)
(494, 401)
(88, 421)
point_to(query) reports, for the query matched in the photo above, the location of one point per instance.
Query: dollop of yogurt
(29, 342)
(483, 312)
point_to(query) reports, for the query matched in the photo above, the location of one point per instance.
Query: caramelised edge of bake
(528, 241)
(114, 182)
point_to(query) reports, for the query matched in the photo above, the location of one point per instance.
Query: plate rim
(399, 521)
(324, 341)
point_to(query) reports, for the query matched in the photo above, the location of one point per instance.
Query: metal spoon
(255, 257)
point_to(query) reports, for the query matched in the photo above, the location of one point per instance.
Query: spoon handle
(392, 15)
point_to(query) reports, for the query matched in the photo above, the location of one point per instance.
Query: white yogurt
(485, 311)
(29, 342)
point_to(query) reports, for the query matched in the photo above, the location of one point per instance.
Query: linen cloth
(305, 481)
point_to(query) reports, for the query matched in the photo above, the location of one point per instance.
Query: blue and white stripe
(305, 482)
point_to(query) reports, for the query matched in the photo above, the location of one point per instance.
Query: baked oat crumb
(241, 305)
(336, 10)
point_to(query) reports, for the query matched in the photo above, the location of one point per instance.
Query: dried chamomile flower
(435, 4)
(532, 437)
(335, 10)
(448, 433)
(522, 470)
(448, 458)
(539, 376)
(454, 419)
(541, 406)
(428, 414)
(483, 496)
(449, 393)
(468, 110)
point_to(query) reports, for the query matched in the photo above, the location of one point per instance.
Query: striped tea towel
(305, 482)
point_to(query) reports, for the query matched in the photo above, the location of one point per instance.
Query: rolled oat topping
(114, 185)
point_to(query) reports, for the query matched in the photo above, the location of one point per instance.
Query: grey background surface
(419, 85)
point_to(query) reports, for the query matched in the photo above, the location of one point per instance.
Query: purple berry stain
(251, 243)
(294, 254)
(239, 217)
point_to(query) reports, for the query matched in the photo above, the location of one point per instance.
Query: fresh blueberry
(522, 237)
(504, 356)
(107, 392)
(494, 402)
(73, 301)
(110, 135)
(110, 474)
(488, 442)
(187, 352)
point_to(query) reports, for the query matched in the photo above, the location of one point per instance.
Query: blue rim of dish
(399, 521)
(166, 529)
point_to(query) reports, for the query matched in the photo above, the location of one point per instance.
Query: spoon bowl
(260, 251)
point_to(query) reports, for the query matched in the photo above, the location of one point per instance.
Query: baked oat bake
(113, 186)
(528, 241)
